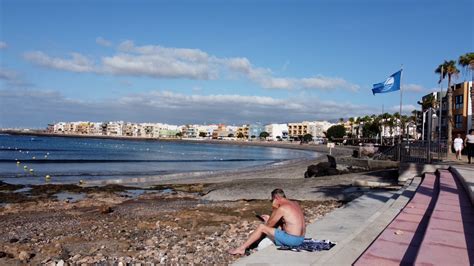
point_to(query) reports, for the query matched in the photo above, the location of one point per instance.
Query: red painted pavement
(435, 228)
(398, 243)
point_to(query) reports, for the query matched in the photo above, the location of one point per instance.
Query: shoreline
(184, 218)
(272, 144)
(277, 169)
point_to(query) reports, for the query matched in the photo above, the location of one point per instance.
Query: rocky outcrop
(323, 168)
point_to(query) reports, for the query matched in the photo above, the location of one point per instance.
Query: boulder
(323, 168)
(332, 161)
(320, 169)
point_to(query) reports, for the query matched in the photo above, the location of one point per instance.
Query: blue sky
(219, 61)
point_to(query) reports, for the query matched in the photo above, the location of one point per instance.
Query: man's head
(277, 196)
(459, 135)
(471, 131)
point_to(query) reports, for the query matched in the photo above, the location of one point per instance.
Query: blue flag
(391, 84)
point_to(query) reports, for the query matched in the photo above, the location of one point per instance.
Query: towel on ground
(311, 245)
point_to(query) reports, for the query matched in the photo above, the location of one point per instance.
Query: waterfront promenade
(430, 220)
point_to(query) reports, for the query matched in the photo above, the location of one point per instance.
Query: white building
(114, 128)
(59, 127)
(277, 131)
(206, 129)
(317, 128)
(95, 128)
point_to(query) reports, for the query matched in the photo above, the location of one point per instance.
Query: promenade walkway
(429, 221)
(435, 228)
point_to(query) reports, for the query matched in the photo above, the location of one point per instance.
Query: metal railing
(418, 151)
(423, 151)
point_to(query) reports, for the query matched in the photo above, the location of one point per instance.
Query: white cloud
(164, 62)
(406, 109)
(7, 74)
(13, 78)
(265, 78)
(77, 62)
(38, 108)
(3, 45)
(413, 88)
(103, 42)
(327, 83)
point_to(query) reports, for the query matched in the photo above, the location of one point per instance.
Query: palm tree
(351, 122)
(450, 70)
(429, 102)
(466, 61)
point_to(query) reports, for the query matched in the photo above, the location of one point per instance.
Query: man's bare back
(292, 218)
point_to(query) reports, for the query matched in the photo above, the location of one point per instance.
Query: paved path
(436, 227)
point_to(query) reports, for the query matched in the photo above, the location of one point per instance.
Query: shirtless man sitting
(286, 213)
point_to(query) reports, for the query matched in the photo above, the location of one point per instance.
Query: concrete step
(465, 173)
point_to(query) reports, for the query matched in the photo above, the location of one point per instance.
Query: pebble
(24, 256)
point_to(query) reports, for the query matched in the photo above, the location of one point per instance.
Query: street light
(432, 115)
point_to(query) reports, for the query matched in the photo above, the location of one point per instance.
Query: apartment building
(114, 128)
(462, 109)
(277, 132)
(206, 130)
(220, 132)
(316, 129)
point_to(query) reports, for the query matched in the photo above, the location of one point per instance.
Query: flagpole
(383, 129)
(400, 118)
(440, 112)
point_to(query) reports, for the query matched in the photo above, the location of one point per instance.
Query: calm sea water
(68, 160)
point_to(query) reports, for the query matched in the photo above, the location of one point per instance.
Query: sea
(29, 159)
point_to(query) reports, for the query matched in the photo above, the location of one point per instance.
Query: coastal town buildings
(316, 129)
(277, 132)
(250, 131)
(114, 128)
(220, 132)
(462, 109)
(205, 131)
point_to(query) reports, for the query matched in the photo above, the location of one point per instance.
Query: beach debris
(398, 232)
(32, 170)
(34, 158)
(47, 177)
(46, 156)
(25, 167)
(81, 182)
(17, 162)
